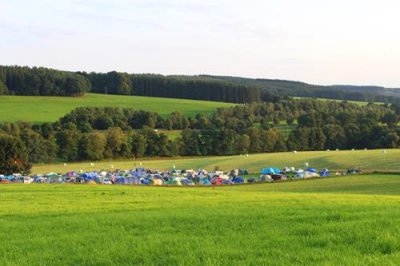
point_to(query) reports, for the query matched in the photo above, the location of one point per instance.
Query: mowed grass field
(350, 220)
(370, 160)
(39, 109)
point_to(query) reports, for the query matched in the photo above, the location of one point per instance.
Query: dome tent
(270, 171)
(324, 172)
(238, 180)
(312, 170)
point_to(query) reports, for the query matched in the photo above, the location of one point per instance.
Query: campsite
(187, 132)
(184, 177)
(243, 216)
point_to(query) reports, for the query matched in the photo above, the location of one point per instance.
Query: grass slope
(360, 103)
(309, 224)
(40, 109)
(372, 184)
(335, 160)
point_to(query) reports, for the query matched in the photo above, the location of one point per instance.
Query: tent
(121, 180)
(324, 172)
(227, 182)
(238, 180)
(251, 180)
(40, 179)
(144, 181)
(277, 177)
(265, 178)
(187, 182)
(353, 171)
(176, 181)
(134, 180)
(234, 172)
(300, 173)
(225, 177)
(312, 170)
(89, 176)
(270, 171)
(205, 182)
(217, 181)
(71, 174)
(308, 174)
(157, 182)
(243, 172)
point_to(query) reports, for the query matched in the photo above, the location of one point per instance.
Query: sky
(316, 41)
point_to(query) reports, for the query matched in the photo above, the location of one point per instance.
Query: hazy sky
(316, 41)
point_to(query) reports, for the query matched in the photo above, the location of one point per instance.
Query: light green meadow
(39, 109)
(349, 220)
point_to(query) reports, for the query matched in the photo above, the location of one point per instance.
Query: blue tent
(270, 171)
(121, 180)
(133, 180)
(205, 182)
(187, 182)
(227, 182)
(10, 177)
(89, 176)
(145, 181)
(324, 172)
(312, 170)
(238, 180)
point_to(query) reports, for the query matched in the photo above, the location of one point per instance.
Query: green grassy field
(334, 160)
(40, 109)
(349, 220)
(361, 103)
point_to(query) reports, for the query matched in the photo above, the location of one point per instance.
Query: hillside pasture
(39, 109)
(367, 160)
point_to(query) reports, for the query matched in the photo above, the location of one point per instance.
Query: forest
(97, 133)
(15, 80)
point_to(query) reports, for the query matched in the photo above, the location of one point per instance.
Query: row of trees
(16, 80)
(238, 118)
(101, 118)
(41, 81)
(102, 133)
(172, 87)
(273, 89)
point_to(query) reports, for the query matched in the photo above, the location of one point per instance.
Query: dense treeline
(173, 87)
(87, 119)
(102, 133)
(194, 88)
(42, 81)
(17, 80)
(271, 89)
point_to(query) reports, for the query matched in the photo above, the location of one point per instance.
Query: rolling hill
(369, 160)
(276, 87)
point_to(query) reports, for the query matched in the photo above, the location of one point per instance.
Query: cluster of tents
(274, 174)
(188, 177)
